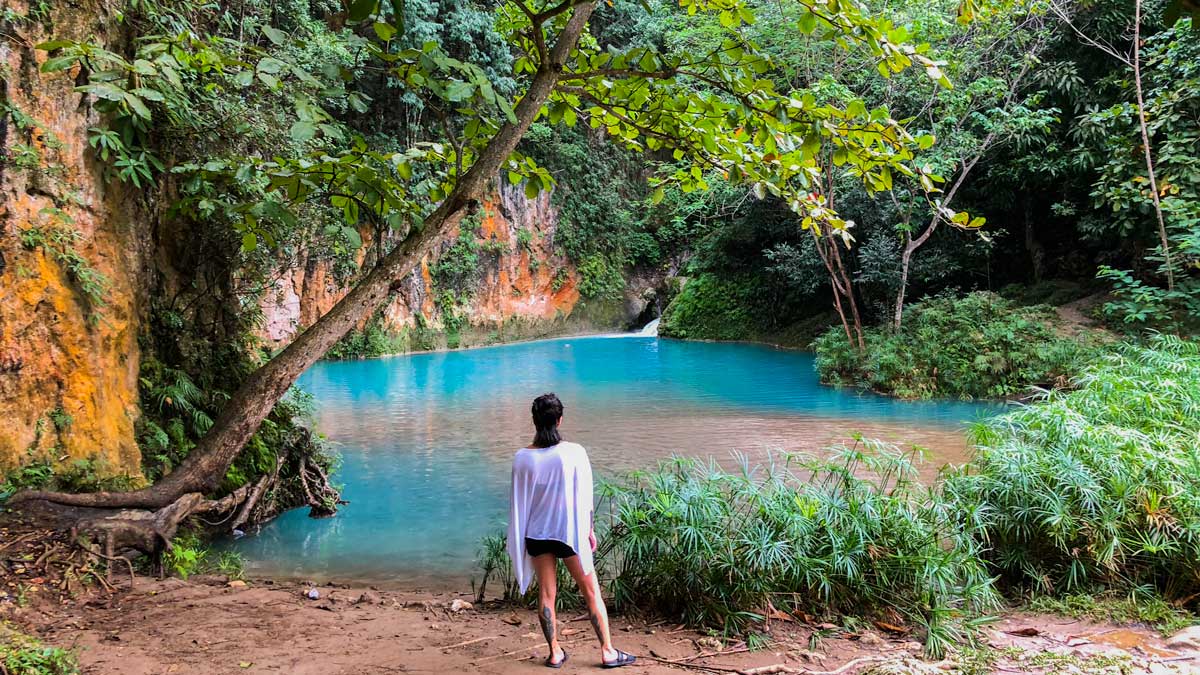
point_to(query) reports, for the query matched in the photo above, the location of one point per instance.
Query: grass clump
(1153, 611)
(25, 655)
(493, 561)
(715, 548)
(1097, 488)
(189, 555)
(977, 346)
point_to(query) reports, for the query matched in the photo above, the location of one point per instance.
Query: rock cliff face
(72, 261)
(523, 286)
(82, 260)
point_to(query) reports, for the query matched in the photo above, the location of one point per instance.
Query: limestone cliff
(83, 259)
(71, 262)
(525, 287)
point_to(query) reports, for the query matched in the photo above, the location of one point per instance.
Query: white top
(551, 499)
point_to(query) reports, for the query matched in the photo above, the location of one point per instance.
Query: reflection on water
(427, 439)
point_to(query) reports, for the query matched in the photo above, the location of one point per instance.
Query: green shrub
(600, 279)
(374, 339)
(189, 555)
(711, 308)
(35, 475)
(1098, 488)
(496, 567)
(24, 655)
(715, 548)
(976, 346)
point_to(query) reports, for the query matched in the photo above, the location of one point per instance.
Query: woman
(552, 519)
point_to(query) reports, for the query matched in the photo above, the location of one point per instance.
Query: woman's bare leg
(589, 586)
(544, 566)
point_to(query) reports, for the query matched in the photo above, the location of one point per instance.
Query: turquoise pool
(426, 439)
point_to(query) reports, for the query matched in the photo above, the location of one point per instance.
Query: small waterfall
(650, 329)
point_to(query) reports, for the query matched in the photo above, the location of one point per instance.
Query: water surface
(427, 439)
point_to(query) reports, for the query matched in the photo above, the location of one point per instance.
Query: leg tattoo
(547, 625)
(595, 619)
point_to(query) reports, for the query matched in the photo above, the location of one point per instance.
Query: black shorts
(536, 547)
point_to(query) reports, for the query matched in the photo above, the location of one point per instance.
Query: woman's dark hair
(547, 411)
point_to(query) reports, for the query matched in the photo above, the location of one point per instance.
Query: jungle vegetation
(772, 161)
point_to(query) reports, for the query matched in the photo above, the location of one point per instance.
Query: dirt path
(206, 626)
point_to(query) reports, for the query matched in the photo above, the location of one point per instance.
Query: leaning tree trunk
(242, 415)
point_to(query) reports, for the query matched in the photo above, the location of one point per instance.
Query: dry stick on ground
(471, 642)
(776, 669)
(522, 651)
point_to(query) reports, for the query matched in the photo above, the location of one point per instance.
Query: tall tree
(1132, 59)
(644, 99)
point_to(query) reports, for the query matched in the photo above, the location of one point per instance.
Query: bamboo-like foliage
(1093, 489)
(1099, 486)
(852, 535)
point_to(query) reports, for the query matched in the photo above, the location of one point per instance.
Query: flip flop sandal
(550, 660)
(623, 659)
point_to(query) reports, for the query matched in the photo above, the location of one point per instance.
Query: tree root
(260, 488)
(320, 495)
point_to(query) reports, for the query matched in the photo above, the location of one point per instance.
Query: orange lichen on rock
(68, 369)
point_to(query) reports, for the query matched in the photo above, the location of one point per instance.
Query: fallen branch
(522, 651)
(844, 668)
(471, 642)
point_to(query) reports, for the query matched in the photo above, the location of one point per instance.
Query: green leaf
(514, 178)
(385, 31)
(269, 65)
(274, 35)
(925, 141)
(808, 23)
(138, 106)
(657, 195)
(58, 63)
(103, 90)
(249, 242)
(149, 94)
(51, 45)
(531, 190)
(459, 91)
(359, 10)
(302, 130)
(357, 102)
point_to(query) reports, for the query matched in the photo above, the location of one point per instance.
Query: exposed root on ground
(103, 525)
